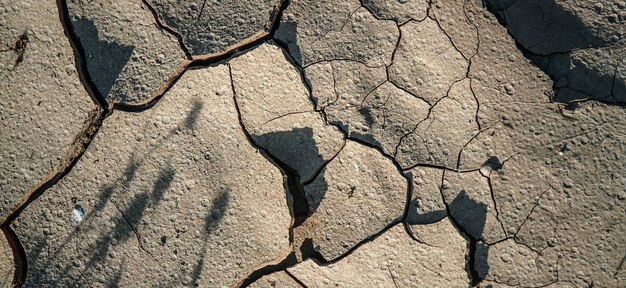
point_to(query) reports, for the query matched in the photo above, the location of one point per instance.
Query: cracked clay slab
(357, 194)
(399, 11)
(348, 31)
(209, 27)
(43, 105)
(129, 58)
(7, 267)
(163, 197)
(278, 114)
(440, 138)
(580, 44)
(469, 199)
(394, 259)
(482, 115)
(426, 62)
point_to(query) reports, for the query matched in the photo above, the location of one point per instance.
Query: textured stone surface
(357, 194)
(129, 58)
(209, 27)
(382, 117)
(395, 259)
(454, 17)
(169, 197)
(547, 26)
(580, 44)
(510, 263)
(42, 104)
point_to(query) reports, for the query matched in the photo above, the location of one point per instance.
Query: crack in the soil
(71, 157)
(307, 249)
(19, 256)
(306, 83)
(398, 23)
(471, 264)
(191, 62)
(295, 279)
(77, 148)
(493, 198)
(300, 206)
(169, 29)
(80, 57)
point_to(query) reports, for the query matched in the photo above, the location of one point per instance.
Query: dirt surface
(412, 143)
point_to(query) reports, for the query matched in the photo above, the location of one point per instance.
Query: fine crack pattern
(488, 125)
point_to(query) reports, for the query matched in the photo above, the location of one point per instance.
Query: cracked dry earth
(278, 143)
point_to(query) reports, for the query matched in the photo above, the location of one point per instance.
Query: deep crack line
(292, 185)
(71, 157)
(201, 9)
(192, 62)
(295, 279)
(19, 256)
(169, 29)
(475, 278)
(65, 165)
(80, 56)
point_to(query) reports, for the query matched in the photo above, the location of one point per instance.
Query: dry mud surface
(289, 143)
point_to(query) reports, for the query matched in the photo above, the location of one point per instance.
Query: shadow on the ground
(584, 62)
(105, 59)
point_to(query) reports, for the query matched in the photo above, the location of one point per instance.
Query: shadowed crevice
(108, 59)
(468, 217)
(582, 61)
(80, 58)
(19, 256)
(77, 148)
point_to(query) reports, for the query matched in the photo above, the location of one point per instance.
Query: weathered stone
(540, 159)
(364, 104)
(582, 201)
(278, 113)
(549, 26)
(43, 104)
(129, 58)
(211, 27)
(399, 10)
(355, 196)
(426, 63)
(171, 196)
(590, 74)
(482, 112)
(343, 84)
(347, 31)
(393, 259)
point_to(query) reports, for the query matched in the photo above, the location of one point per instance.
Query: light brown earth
(373, 143)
